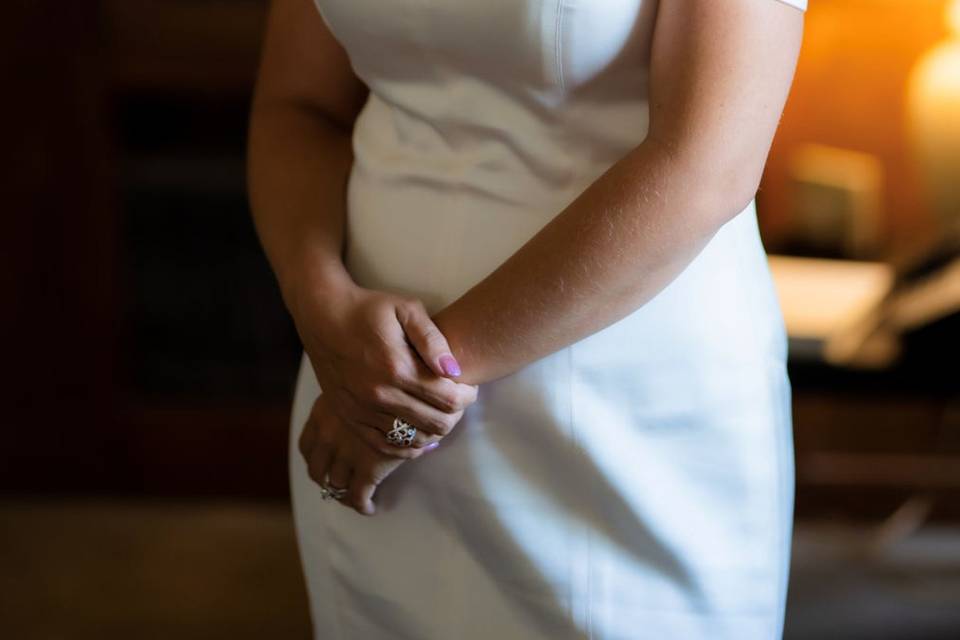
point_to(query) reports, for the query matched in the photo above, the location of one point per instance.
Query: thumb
(427, 339)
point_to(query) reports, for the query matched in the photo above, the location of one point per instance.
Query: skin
(376, 355)
(720, 73)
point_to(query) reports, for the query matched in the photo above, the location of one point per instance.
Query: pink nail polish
(431, 446)
(449, 365)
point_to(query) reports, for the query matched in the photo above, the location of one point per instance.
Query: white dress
(636, 484)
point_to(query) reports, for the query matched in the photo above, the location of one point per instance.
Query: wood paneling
(59, 245)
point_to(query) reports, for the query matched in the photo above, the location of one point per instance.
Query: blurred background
(150, 363)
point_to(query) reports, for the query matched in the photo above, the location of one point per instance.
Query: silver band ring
(332, 493)
(402, 433)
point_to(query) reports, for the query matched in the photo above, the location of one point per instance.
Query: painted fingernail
(449, 365)
(431, 446)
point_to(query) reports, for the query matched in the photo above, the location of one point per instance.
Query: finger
(308, 435)
(367, 477)
(421, 438)
(340, 471)
(307, 439)
(427, 339)
(441, 393)
(409, 373)
(362, 417)
(360, 495)
(374, 439)
(394, 402)
(318, 464)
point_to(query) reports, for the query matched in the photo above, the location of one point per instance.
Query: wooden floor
(78, 570)
(140, 571)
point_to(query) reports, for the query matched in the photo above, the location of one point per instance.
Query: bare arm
(720, 76)
(299, 150)
(300, 155)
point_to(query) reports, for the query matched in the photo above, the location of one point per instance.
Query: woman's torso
(637, 479)
(485, 120)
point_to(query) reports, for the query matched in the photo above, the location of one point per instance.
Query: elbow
(268, 107)
(720, 185)
(726, 189)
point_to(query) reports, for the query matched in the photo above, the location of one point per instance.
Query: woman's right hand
(378, 355)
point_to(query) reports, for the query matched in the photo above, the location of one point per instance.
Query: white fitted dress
(635, 484)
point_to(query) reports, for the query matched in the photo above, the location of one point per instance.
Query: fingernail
(449, 365)
(431, 446)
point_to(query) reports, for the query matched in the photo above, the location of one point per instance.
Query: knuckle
(454, 403)
(304, 442)
(343, 400)
(377, 353)
(413, 303)
(444, 400)
(379, 393)
(442, 427)
(405, 307)
(395, 370)
(314, 474)
(434, 339)
(324, 438)
(305, 453)
(432, 335)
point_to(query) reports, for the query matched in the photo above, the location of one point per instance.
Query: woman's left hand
(338, 457)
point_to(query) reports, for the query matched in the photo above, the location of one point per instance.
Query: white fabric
(636, 484)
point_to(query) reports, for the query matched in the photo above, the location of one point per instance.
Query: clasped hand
(377, 356)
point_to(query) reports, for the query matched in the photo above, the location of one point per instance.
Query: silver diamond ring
(332, 493)
(402, 433)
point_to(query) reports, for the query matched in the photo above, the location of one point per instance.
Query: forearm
(298, 165)
(610, 251)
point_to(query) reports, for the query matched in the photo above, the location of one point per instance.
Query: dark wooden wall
(146, 349)
(58, 274)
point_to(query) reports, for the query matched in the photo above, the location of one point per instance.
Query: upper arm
(303, 64)
(720, 73)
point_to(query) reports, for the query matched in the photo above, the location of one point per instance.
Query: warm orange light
(934, 102)
(953, 16)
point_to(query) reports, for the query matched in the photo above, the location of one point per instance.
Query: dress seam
(558, 45)
(587, 593)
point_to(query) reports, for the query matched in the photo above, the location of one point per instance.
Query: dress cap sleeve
(799, 4)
